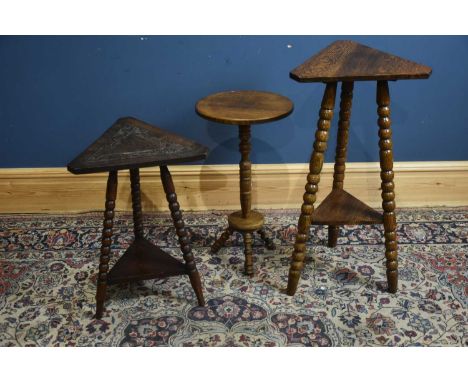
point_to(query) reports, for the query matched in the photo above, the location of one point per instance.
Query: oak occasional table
(348, 61)
(244, 108)
(131, 144)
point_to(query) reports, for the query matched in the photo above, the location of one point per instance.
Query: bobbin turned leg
(184, 240)
(269, 244)
(248, 265)
(316, 163)
(136, 203)
(341, 144)
(221, 240)
(386, 175)
(111, 194)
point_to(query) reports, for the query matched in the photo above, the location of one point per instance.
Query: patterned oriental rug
(48, 266)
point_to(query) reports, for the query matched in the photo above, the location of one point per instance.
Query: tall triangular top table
(348, 61)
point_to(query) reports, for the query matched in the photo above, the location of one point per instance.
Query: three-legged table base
(340, 207)
(143, 260)
(246, 226)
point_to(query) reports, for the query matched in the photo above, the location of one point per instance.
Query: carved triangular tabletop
(131, 143)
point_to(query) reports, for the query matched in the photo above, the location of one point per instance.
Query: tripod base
(246, 226)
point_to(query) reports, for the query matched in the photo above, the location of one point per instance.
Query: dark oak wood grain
(184, 240)
(131, 143)
(217, 245)
(346, 100)
(248, 264)
(269, 243)
(351, 61)
(348, 61)
(311, 188)
(136, 203)
(106, 241)
(388, 188)
(244, 107)
(144, 261)
(245, 171)
(342, 208)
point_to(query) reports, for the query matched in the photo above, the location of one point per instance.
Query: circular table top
(244, 107)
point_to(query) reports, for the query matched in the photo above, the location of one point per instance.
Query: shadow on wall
(226, 142)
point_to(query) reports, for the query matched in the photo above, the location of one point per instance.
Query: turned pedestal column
(244, 108)
(347, 62)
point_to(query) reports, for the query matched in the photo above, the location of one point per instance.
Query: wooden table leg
(316, 163)
(221, 240)
(184, 240)
(136, 203)
(269, 244)
(245, 170)
(245, 183)
(386, 175)
(248, 265)
(341, 145)
(111, 194)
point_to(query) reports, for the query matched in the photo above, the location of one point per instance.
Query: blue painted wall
(57, 94)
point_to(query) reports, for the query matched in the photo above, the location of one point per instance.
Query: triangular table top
(350, 61)
(130, 143)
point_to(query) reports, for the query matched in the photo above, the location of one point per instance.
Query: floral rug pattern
(48, 266)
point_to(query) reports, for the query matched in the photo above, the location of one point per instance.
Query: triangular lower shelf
(143, 261)
(342, 208)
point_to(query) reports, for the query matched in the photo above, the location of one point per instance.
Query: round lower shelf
(251, 223)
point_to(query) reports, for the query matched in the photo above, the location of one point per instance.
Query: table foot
(197, 287)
